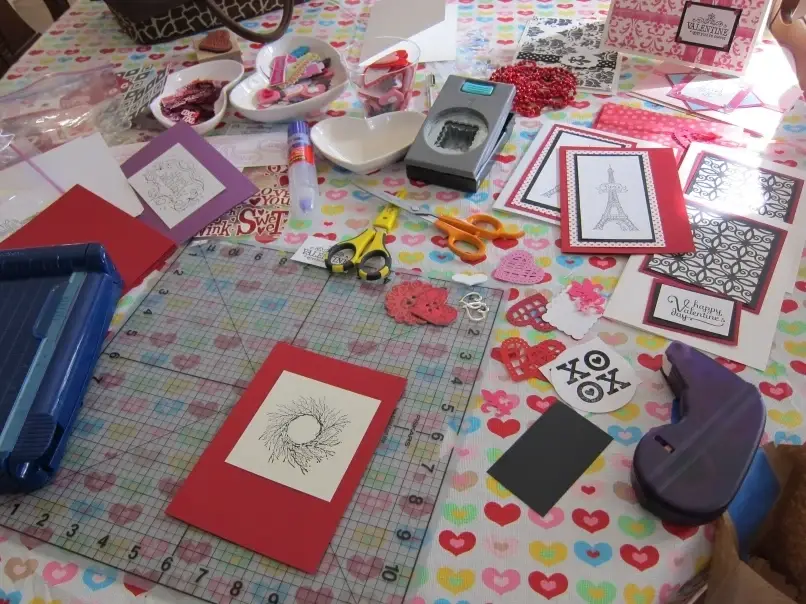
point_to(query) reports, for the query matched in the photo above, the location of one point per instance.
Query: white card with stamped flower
(574, 310)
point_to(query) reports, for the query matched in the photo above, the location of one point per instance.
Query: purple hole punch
(688, 472)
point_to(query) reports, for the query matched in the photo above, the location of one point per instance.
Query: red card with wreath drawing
(292, 453)
(716, 35)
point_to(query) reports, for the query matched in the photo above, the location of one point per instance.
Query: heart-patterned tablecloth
(597, 545)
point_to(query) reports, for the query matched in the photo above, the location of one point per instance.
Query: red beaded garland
(537, 87)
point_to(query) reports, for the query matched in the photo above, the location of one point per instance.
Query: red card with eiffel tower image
(622, 201)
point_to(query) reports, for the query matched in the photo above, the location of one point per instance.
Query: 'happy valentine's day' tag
(592, 377)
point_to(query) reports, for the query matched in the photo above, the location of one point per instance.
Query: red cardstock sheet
(265, 516)
(671, 206)
(80, 216)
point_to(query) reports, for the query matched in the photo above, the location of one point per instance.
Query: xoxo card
(593, 378)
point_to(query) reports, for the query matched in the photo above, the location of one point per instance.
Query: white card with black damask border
(574, 45)
(774, 246)
(738, 180)
(533, 189)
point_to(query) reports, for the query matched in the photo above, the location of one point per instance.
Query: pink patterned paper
(652, 28)
(770, 77)
(671, 131)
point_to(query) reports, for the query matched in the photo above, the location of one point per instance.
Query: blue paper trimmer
(56, 304)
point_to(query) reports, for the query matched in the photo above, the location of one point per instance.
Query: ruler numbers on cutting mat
(165, 384)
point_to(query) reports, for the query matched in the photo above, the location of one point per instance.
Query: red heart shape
(331, 236)
(529, 312)
(592, 522)
(474, 262)
(513, 294)
(337, 44)
(432, 306)
(389, 239)
(513, 353)
(788, 306)
(502, 515)
(777, 391)
(730, 365)
(503, 428)
(457, 544)
(439, 241)
(334, 113)
(328, 224)
(505, 244)
(787, 162)
(651, 362)
(137, 585)
(642, 559)
(679, 531)
(579, 104)
(602, 263)
(506, 42)
(541, 405)
(587, 489)
(505, 159)
(549, 586)
(801, 285)
(798, 366)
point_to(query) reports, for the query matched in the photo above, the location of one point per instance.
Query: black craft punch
(688, 472)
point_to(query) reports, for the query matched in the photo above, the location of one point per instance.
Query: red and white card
(291, 454)
(622, 201)
(533, 189)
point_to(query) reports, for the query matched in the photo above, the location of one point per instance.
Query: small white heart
(470, 280)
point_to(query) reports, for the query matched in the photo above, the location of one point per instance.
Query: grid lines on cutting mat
(167, 381)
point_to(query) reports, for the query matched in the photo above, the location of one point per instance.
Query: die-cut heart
(470, 280)
(528, 313)
(519, 267)
(522, 361)
(432, 307)
(513, 353)
(545, 352)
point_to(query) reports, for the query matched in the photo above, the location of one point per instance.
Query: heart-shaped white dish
(365, 145)
(224, 69)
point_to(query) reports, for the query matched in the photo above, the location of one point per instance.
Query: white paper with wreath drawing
(304, 435)
(175, 185)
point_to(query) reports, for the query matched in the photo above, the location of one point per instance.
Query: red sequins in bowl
(197, 95)
(294, 77)
(386, 84)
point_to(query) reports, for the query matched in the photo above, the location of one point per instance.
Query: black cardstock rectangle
(550, 457)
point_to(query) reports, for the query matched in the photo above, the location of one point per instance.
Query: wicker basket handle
(248, 34)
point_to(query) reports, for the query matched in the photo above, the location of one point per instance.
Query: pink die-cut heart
(519, 267)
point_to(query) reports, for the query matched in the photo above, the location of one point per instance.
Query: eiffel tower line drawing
(614, 212)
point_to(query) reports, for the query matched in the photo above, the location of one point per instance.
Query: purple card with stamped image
(184, 183)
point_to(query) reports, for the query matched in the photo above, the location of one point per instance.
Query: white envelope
(428, 23)
(28, 187)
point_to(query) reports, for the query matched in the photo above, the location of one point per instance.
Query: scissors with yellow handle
(366, 251)
(465, 237)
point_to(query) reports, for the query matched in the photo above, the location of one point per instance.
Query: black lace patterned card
(728, 182)
(575, 46)
(734, 256)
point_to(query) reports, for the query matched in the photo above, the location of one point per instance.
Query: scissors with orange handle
(465, 236)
